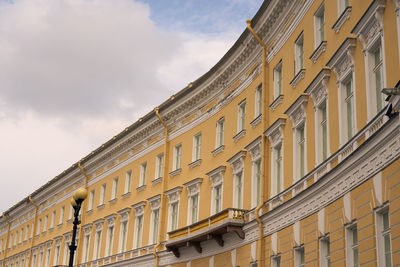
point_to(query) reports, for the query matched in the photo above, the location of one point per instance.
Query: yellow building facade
(286, 153)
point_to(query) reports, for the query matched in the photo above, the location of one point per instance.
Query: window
(91, 200)
(241, 116)
(173, 211)
(277, 169)
(155, 217)
(258, 101)
(34, 260)
(256, 183)
(61, 218)
(56, 256)
(376, 79)
(300, 155)
(27, 232)
(102, 194)
(319, 24)
(86, 241)
(110, 240)
(47, 263)
(115, 188)
(46, 219)
(138, 231)
(143, 168)
(97, 244)
(53, 218)
(196, 147)
(177, 156)
(348, 123)
(217, 192)
(20, 237)
(238, 190)
(40, 224)
(322, 131)
(342, 5)
(276, 261)
(298, 54)
(325, 254)
(383, 238)
(220, 133)
(128, 181)
(194, 208)
(352, 245)
(123, 236)
(40, 259)
(66, 252)
(16, 238)
(159, 166)
(278, 80)
(299, 257)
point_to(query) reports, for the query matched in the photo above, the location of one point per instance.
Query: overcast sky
(74, 73)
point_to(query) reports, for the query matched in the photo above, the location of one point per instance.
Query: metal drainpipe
(8, 237)
(78, 254)
(34, 228)
(164, 186)
(264, 143)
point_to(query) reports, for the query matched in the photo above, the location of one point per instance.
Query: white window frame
(324, 251)
(143, 170)
(278, 80)
(237, 164)
(110, 235)
(46, 220)
(382, 233)
(196, 152)
(299, 256)
(241, 116)
(97, 239)
(351, 245)
(86, 249)
(128, 182)
(177, 162)
(258, 105)
(219, 138)
(139, 219)
(114, 188)
(276, 261)
(342, 5)
(216, 180)
(53, 219)
(193, 189)
(61, 218)
(102, 194)
(91, 200)
(299, 54)
(56, 257)
(159, 166)
(173, 196)
(154, 219)
(123, 229)
(319, 25)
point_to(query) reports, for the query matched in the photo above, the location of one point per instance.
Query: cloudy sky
(73, 73)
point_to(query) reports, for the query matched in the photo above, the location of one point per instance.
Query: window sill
(101, 206)
(218, 150)
(51, 229)
(195, 163)
(318, 51)
(277, 101)
(297, 78)
(342, 19)
(157, 180)
(256, 121)
(89, 211)
(127, 194)
(175, 172)
(59, 225)
(112, 201)
(69, 220)
(239, 135)
(141, 188)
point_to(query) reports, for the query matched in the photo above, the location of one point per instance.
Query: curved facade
(285, 153)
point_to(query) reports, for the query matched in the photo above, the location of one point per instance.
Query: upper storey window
(143, 168)
(196, 147)
(278, 80)
(241, 120)
(159, 165)
(299, 54)
(342, 5)
(319, 26)
(220, 133)
(258, 101)
(177, 157)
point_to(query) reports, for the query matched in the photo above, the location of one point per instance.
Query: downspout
(7, 239)
(164, 186)
(34, 228)
(264, 143)
(84, 205)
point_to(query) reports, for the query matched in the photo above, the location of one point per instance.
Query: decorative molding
(342, 19)
(277, 101)
(237, 161)
(216, 175)
(239, 135)
(140, 188)
(318, 51)
(173, 194)
(297, 111)
(275, 132)
(156, 181)
(124, 214)
(139, 208)
(370, 26)
(110, 219)
(342, 61)
(87, 229)
(298, 77)
(318, 88)
(256, 121)
(154, 202)
(254, 149)
(194, 163)
(193, 186)
(98, 224)
(126, 195)
(175, 172)
(218, 150)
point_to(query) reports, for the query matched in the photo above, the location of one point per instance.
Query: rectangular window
(196, 147)
(300, 152)
(53, 219)
(56, 256)
(258, 101)
(299, 257)
(276, 261)
(91, 200)
(46, 219)
(143, 168)
(325, 254)
(27, 232)
(377, 77)
(349, 110)
(61, 218)
(238, 190)
(177, 156)
(278, 80)
(352, 245)
(319, 24)
(47, 263)
(115, 188)
(110, 240)
(102, 194)
(123, 236)
(277, 169)
(86, 241)
(241, 116)
(217, 198)
(298, 54)
(220, 133)
(322, 133)
(342, 5)
(16, 238)
(128, 181)
(194, 207)
(256, 199)
(138, 231)
(97, 245)
(155, 222)
(159, 166)
(384, 250)
(174, 216)
(66, 252)
(20, 237)
(40, 224)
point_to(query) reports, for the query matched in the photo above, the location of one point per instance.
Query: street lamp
(76, 201)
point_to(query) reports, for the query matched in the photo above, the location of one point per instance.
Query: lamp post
(76, 201)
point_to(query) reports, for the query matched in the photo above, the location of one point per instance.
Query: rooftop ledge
(213, 227)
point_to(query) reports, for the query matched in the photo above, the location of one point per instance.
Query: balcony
(214, 227)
